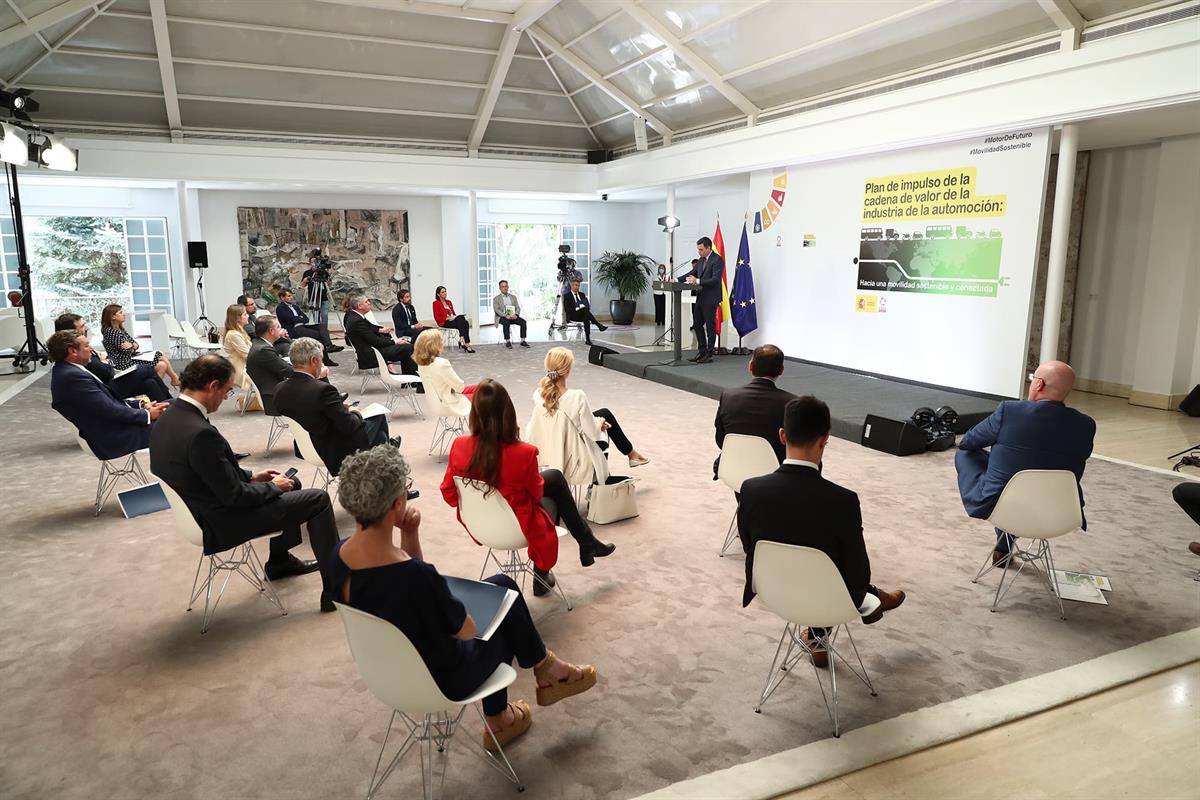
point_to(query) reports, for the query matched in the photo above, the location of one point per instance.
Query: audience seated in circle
(438, 376)
(295, 322)
(233, 505)
(372, 574)
(111, 426)
(557, 411)
(236, 343)
(363, 335)
(494, 455)
(1038, 433)
(447, 317)
(142, 380)
(817, 512)
(252, 308)
(336, 429)
(404, 317)
(755, 409)
(264, 365)
(121, 347)
(507, 308)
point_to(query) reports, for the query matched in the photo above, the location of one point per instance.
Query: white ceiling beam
(592, 29)
(644, 57)
(291, 31)
(21, 16)
(706, 70)
(566, 94)
(837, 37)
(530, 12)
(39, 22)
(58, 46)
(1067, 19)
(166, 68)
(587, 71)
(742, 10)
(431, 9)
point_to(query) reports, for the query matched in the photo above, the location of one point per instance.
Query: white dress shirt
(797, 462)
(194, 402)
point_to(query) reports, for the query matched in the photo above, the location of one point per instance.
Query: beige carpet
(110, 690)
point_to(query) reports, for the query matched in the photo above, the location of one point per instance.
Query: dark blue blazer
(289, 317)
(1023, 434)
(708, 274)
(109, 426)
(404, 317)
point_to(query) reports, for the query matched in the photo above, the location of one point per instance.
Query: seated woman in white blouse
(438, 375)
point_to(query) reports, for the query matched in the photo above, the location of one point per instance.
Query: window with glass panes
(486, 235)
(580, 239)
(149, 266)
(9, 279)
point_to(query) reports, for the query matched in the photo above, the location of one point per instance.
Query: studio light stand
(33, 350)
(209, 327)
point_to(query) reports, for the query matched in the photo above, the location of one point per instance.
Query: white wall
(1139, 270)
(219, 227)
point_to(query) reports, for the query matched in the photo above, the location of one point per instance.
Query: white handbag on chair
(612, 502)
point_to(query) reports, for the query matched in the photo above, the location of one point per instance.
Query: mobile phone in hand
(355, 403)
(291, 473)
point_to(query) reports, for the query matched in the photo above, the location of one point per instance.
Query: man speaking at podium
(707, 275)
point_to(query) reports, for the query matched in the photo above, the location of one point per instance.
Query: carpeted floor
(110, 690)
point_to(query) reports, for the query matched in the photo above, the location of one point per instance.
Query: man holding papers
(396, 584)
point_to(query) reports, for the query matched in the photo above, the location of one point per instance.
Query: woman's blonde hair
(233, 318)
(427, 347)
(558, 364)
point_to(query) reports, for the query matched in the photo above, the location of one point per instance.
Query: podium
(676, 290)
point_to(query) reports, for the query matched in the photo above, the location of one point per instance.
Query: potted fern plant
(628, 274)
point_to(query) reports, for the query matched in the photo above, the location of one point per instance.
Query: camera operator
(567, 274)
(316, 281)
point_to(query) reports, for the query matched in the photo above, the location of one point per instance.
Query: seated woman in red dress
(495, 455)
(446, 317)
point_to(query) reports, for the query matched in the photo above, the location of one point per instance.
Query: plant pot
(622, 311)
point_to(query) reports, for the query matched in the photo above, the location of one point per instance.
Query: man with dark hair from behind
(232, 505)
(142, 380)
(755, 409)
(282, 344)
(795, 504)
(110, 426)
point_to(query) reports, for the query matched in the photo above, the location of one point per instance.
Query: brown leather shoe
(890, 600)
(1195, 547)
(999, 557)
(820, 656)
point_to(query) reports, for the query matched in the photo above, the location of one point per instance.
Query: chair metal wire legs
(437, 730)
(731, 536)
(113, 472)
(1037, 553)
(803, 649)
(241, 560)
(518, 568)
(278, 426)
(445, 432)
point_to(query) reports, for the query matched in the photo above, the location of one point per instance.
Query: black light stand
(209, 327)
(33, 350)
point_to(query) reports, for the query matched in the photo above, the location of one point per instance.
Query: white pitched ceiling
(546, 75)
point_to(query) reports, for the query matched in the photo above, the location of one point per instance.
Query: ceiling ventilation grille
(1116, 29)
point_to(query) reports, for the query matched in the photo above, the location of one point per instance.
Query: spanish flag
(723, 312)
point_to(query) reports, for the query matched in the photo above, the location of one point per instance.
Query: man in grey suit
(707, 275)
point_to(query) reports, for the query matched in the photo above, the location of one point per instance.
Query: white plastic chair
(278, 424)
(802, 585)
(12, 332)
(199, 346)
(176, 332)
(308, 452)
(1040, 505)
(112, 472)
(450, 423)
(491, 522)
(743, 457)
(241, 560)
(395, 673)
(397, 386)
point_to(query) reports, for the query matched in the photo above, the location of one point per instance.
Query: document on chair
(487, 603)
(1082, 587)
(374, 410)
(124, 372)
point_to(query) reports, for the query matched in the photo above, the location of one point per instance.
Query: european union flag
(741, 299)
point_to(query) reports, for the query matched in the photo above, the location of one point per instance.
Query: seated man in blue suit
(143, 379)
(111, 427)
(1038, 433)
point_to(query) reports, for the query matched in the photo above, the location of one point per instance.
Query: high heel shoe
(590, 551)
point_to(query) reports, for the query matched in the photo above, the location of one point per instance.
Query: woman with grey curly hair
(370, 573)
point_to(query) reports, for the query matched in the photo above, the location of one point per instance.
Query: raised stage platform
(850, 395)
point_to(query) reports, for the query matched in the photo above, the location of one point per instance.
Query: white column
(1064, 198)
(472, 279)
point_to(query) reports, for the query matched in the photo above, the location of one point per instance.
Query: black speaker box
(898, 437)
(599, 156)
(198, 255)
(967, 421)
(597, 353)
(1191, 403)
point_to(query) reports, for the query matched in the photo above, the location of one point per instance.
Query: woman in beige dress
(236, 342)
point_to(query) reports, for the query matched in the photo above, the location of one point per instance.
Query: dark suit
(143, 380)
(335, 432)
(404, 317)
(795, 505)
(363, 335)
(194, 459)
(708, 275)
(1022, 434)
(755, 409)
(282, 346)
(267, 369)
(579, 309)
(106, 422)
(296, 323)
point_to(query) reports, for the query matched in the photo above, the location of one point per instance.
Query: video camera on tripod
(565, 262)
(321, 266)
